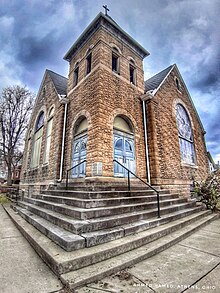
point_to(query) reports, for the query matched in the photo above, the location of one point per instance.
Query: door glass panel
(79, 155)
(119, 144)
(128, 146)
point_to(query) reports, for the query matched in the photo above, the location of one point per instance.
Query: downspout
(63, 101)
(144, 98)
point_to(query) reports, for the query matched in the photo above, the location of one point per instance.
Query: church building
(109, 160)
(105, 119)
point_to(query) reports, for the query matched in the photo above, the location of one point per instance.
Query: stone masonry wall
(47, 172)
(164, 141)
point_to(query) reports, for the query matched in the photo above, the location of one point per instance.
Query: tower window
(89, 63)
(115, 62)
(76, 75)
(132, 74)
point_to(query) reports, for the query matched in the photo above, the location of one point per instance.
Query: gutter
(64, 101)
(146, 97)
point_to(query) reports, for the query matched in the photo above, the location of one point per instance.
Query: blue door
(79, 155)
(124, 154)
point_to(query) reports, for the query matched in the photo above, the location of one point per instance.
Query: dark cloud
(32, 51)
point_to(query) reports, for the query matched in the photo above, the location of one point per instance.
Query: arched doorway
(123, 146)
(79, 148)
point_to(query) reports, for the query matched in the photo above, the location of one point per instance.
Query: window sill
(133, 84)
(188, 165)
(116, 72)
(34, 168)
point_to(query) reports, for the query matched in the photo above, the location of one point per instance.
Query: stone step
(85, 226)
(98, 271)
(65, 239)
(134, 222)
(66, 222)
(70, 241)
(101, 194)
(101, 188)
(102, 236)
(90, 264)
(95, 186)
(84, 214)
(102, 202)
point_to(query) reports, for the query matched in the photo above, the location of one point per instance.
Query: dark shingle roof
(154, 82)
(59, 81)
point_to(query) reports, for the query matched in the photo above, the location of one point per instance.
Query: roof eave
(154, 91)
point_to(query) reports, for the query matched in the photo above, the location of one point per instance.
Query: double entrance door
(123, 153)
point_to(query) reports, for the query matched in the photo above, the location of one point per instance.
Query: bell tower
(106, 79)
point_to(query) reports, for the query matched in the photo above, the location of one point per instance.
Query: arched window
(28, 148)
(122, 125)
(37, 140)
(81, 126)
(185, 135)
(132, 71)
(89, 61)
(115, 60)
(48, 135)
(76, 74)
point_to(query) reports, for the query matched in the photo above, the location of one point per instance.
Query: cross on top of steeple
(106, 9)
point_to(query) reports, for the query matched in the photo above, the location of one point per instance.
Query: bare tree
(15, 107)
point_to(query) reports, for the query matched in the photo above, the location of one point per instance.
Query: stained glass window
(185, 135)
(40, 121)
(48, 135)
(37, 141)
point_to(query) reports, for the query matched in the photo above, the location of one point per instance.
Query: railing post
(129, 185)
(158, 204)
(129, 182)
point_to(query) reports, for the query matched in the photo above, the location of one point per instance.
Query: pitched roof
(155, 81)
(105, 21)
(59, 81)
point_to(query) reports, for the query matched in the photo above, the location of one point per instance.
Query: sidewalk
(21, 269)
(192, 265)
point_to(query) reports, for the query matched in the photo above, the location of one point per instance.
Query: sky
(36, 34)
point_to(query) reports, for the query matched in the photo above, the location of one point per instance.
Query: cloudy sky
(36, 34)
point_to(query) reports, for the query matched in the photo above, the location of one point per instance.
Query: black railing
(67, 172)
(151, 187)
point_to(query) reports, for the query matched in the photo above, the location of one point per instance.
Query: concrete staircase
(100, 232)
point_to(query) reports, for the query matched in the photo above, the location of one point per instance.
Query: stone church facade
(104, 111)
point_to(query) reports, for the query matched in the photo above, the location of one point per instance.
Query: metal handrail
(67, 172)
(129, 185)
